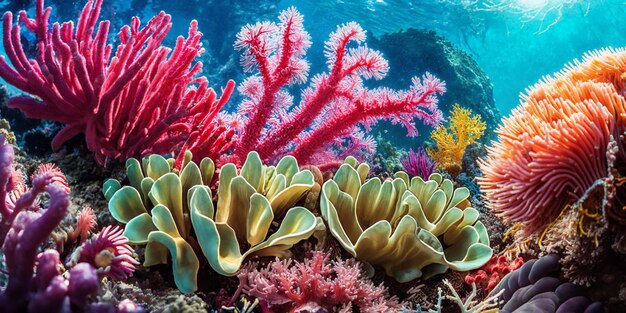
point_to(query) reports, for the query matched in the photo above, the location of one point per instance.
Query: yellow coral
(463, 130)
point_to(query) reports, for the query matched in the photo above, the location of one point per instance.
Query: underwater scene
(308, 156)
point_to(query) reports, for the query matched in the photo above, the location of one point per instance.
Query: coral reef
(323, 127)
(193, 184)
(411, 228)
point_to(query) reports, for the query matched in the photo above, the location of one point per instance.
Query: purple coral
(315, 285)
(24, 227)
(418, 163)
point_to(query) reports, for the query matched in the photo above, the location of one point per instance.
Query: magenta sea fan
(418, 163)
(140, 98)
(324, 126)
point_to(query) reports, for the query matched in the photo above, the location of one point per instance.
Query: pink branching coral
(418, 163)
(323, 127)
(138, 101)
(491, 273)
(110, 253)
(315, 286)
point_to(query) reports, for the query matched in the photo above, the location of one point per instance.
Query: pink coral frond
(255, 41)
(336, 45)
(366, 63)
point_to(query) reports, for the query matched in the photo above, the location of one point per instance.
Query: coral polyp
(110, 253)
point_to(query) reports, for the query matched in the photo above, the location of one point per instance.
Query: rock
(413, 52)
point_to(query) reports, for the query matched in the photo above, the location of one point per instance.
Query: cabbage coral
(249, 201)
(162, 206)
(411, 228)
(156, 214)
(553, 147)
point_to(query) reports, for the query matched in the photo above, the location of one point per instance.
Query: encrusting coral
(162, 204)
(464, 129)
(411, 228)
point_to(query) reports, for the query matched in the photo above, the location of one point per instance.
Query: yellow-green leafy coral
(248, 203)
(155, 211)
(173, 212)
(464, 129)
(411, 228)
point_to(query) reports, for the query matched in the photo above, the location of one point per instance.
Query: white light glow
(533, 4)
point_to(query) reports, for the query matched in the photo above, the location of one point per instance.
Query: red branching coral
(315, 286)
(491, 273)
(553, 147)
(324, 126)
(137, 102)
(109, 253)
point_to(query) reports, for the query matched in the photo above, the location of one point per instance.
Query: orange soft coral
(553, 147)
(464, 129)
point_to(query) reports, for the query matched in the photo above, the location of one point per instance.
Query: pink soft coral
(140, 98)
(315, 285)
(323, 127)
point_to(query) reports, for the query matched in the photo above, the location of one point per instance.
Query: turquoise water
(514, 50)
